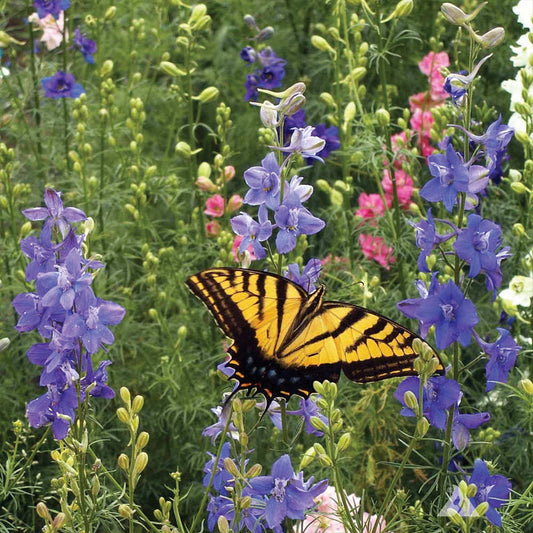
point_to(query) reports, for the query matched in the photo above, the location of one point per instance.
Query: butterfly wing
(257, 310)
(370, 347)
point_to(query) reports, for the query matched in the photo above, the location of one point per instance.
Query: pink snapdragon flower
(212, 228)
(376, 249)
(370, 206)
(214, 206)
(404, 187)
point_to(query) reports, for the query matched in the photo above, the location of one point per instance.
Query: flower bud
(207, 95)
(344, 442)
(4, 343)
(307, 458)
(142, 439)
(231, 467)
(254, 471)
(481, 509)
(526, 385)
(410, 400)
(59, 521)
(518, 187)
(265, 34)
(455, 518)
(140, 463)
(250, 21)
(229, 172)
(223, 524)
(171, 69)
(321, 44)
(125, 395)
(110, 13)
(519, 230)
(349, 112)
(204, 169)
(403, 9)
(234, 203)
(125, 511)
(422, 427)
(122, 415)
(42, 511)
(328, 99)
(198, 11)
(383, 117)
(106, 68)
(183, 150)
(470, 490)
(453, 14)
(268, 114)
(205, 184)
(137, 404)
(6, 40)
(492, 38)
(336, 197)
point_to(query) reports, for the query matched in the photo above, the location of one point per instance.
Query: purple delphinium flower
(251, 518)
(330, 136)
(86, 46)
(450, 177)
(463, 423)
(453, 315)
(307, 277)
(477, 245)
(495, 490)
(54, 215)
(456, 84)
(52, 407)
(61, 85)
(248, 54)
(270, 76)
(98, 379)
(90, 321)
(264, 183)
(309, 408)
(296, 192)
(253, 232)
(214, 430)
(502, 357)
(438, 394)
(304, 142)
(43, 258)
(287, 495)
(50, 7)
(221, 476)
(426, 239)
(293, 220)
(295, 121)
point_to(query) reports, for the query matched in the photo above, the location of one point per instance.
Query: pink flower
(214, 206)
(421, 121)
(433, 62)
(425, 148)
(205, 184)
(235, 248)
(229, 172)
(234, 203)
(376, 249)
(404, 187)
(399, 143)
(212, 228)
(52, 29)
(370, 206)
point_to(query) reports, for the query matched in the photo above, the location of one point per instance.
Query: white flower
(520, 291)
(524, 11)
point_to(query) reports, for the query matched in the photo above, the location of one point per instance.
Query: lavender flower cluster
(457, 181)
(65, 311)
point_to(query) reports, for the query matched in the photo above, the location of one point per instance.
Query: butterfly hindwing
(285, 338)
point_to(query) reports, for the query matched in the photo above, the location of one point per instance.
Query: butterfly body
(285, 338)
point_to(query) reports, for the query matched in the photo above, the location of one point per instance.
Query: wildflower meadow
(377, 151)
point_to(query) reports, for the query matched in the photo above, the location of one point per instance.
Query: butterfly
(285, 338)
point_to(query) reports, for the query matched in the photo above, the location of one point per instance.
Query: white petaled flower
(524, 11)
(520, 291)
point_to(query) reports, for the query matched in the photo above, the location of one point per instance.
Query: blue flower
(477, 245)
(307, 277)
(50, 7)
(287, 495)
(61, 85)
(456, 84)
(52, 407)
(438, 394)
(86, 46)
(502, 357)
(54, 216)
(264, 183)
(216, 429)
(253, 232)
(494, 490)
(309, 408)
(330, 136)
(295, 121)
(453, 315)
(452, 176)
(304, 142)
(98, 379)
(293, 220)
(463, 423)
(248, 54)
(427, 238)
(222, 477)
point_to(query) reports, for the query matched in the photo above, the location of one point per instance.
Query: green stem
(35, 82)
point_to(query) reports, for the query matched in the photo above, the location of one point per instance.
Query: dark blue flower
(32, 315)
(43, 258)
(502, 357)
(453, 315)
(427, 238)
(56, 407)
(331, 136)
(287, 495)
(86, 46)
(463, 423)
(268, 58)
(296, 120)
(252, 81)
(50, 7)
(61, 85)
(307, 277)
(495, 490)
(452, 176)
(253, 232)
(456, 84)
(438, 394)
(248, 54)
(222, 477)
(97, 380)
(270, 76)
(264, 183)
